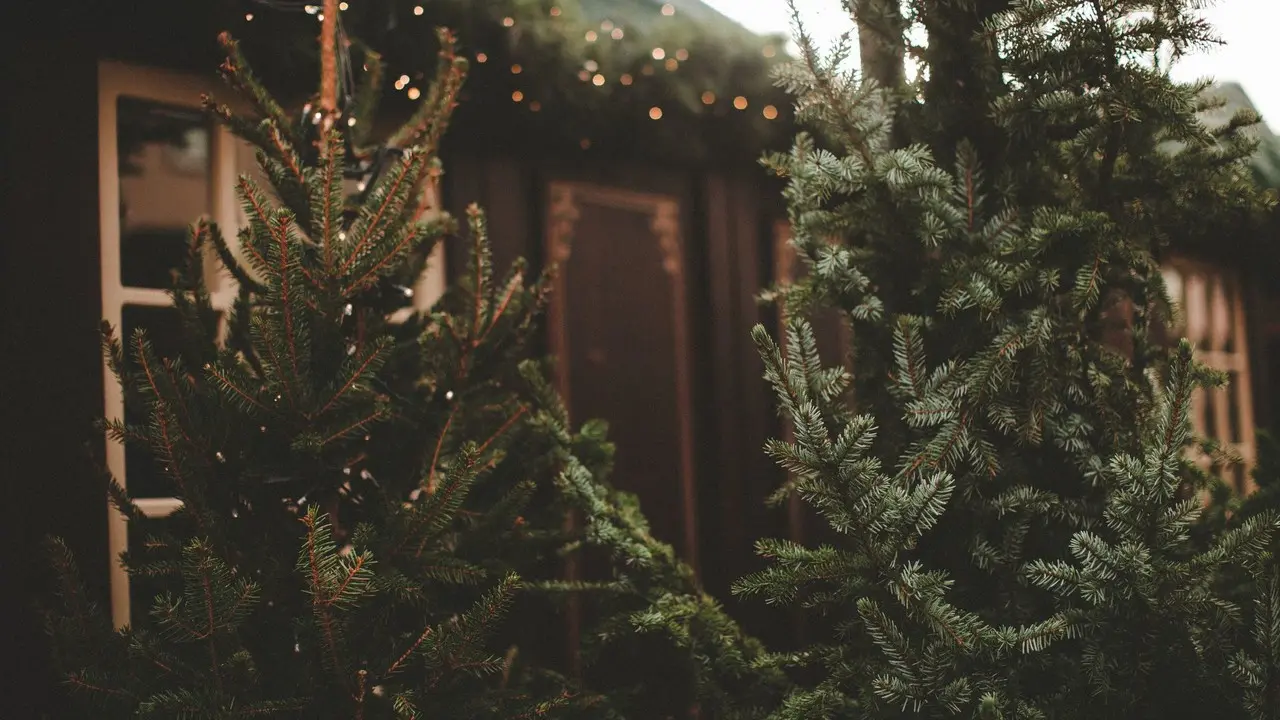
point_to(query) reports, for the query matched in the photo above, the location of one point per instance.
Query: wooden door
(618, 324)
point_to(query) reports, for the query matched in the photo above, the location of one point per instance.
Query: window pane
(165, 185)
(164, 332)
(1233, 391)
(148, 540)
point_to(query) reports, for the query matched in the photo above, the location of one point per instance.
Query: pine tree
(1015, 525)
(373, 507)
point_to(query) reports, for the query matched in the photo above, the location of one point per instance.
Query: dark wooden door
(619, 326)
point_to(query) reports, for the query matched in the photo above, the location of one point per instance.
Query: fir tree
(372, 507)
(1013, 515)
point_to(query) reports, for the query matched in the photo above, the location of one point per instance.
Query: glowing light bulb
(682, 54)
(555, 11)
(320, 17)
(769, 51)
(517, 96)
(482, 58)
(508, 21)
(659, 53)
(535, 106)
(598, 80)
(770, 112)
(248, 17)
(417, 10)
(591, 65)
(671, 64)
(312, 9)
(616, 34)
(591, 36)
(516, 69)
(708, 98)
(668, 9)
(351, 122)
(655, 113)
(343, 6)
(414, 93)
(626, 79)
(740, 102)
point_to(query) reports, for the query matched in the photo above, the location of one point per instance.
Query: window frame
(117, 80)
(1215, 320)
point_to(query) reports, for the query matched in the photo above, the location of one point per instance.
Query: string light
(659, 53)
(598, 80)
(414, 93)
(351, 122)
(343, 7)
(402, 81)
(770, 112)
(516, 69)
(625, 79)
(646, 70)
(606, 26)
(508, 21)
(248, 17)
(555, 11)
(591, 36)
(584, 143)
(668, 9)
(682, 54)
(769, 51)
(655, 113)
(672, 64)
(740, 102)
(312, 9)
(482, 58)
(417, 10)
(535, 106)
(320, 17)
(708, 98)
(583, 75)
(591, 65)
(517, 96)
(616, 34)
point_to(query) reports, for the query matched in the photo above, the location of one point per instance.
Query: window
(163, 163)
(1210, 313)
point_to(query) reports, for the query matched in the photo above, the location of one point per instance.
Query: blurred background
(618, 138)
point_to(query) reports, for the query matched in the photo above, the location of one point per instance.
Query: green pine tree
(372, 520)
(1015, 526)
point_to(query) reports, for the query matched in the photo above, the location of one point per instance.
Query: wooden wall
(50, 364)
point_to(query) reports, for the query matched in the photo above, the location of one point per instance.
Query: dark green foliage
(372, 520)
(1015, 526)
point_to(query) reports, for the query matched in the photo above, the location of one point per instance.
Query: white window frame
(116, 80)
(1215, 323)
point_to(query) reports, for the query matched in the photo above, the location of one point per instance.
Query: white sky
(1250, 29)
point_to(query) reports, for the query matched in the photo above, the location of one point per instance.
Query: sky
(1249, 28)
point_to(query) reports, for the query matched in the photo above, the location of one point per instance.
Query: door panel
(619, 326)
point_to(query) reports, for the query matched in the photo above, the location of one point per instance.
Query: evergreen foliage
(372, 519)
(1016, 528)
